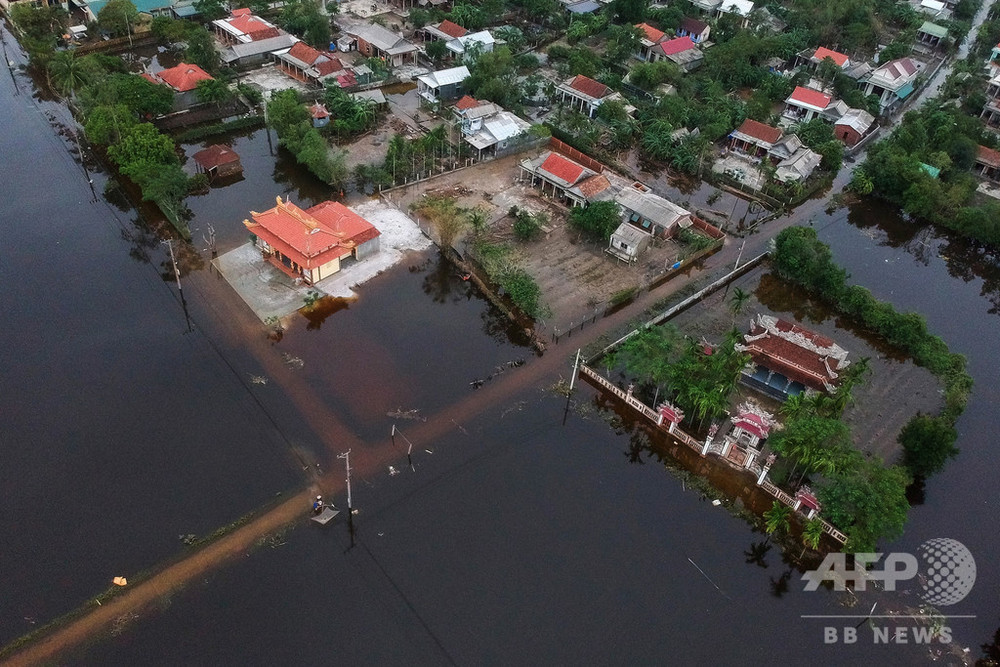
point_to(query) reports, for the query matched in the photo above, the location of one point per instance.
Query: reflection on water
(317, 313)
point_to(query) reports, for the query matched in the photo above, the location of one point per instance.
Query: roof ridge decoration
(770, 325)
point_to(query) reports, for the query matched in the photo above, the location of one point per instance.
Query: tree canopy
(118, 17)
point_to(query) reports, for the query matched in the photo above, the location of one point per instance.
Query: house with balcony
(487, 128)
(804, 104)
(991, 110)
(892, 83)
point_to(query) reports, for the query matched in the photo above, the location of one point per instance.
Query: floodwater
(523, 535)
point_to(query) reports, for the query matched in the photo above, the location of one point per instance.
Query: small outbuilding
(628, 241)
(218, 161)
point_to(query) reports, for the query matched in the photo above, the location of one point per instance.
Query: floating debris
(497, 370)
(292, 361)
(400, 413)
(392, 471)
(188, 539)
(120, 581)
(258, 379)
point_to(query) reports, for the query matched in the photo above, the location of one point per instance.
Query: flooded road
(516, 539)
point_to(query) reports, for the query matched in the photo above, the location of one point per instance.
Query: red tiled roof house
(311, 244)
(558, 175)
(649, 38)
(444, 31)
(183, 80)
(754, 138)
(307, 64)
(682, 51)
(804, 104)
(243, 27)
(583, 94)
(789, 359)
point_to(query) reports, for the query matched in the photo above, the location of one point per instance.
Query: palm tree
(811, 534)
(738, 301)
(67, 72)
(777, 519)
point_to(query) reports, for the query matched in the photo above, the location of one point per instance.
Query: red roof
(314, 236)
(149, 77)
(671, 414)
(677, 45)
(588, 86)
(215, 156)
(765, 133)
(562, 168)
(650, 33)
(594, 185)
(467, 102)
(319, 111)
(346, 80)
(988, 156)
(752, 423)
(451, 29)
(807, 499)
(793, 360)
(327, 65)
(242, 11)
(304, 52)
(184, 77)
(251, 24)
(823, 53)
(811, 97)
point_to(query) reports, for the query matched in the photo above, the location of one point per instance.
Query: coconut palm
(738, 301)
(66, 72)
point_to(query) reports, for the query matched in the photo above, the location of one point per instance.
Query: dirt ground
(894, 390)
(576, 277)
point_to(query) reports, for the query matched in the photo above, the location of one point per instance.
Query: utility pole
(173, 260)
(409, 448)
(177, 276)
(350, 506)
